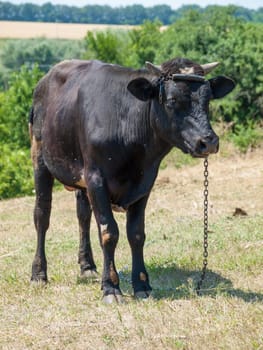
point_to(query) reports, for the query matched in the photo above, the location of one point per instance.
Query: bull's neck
(156, 146)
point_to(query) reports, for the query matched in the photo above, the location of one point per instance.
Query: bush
(15, 106)
(131, 48)
(144, 43)
(16, 177)
(246, 136)
(106, 46)
(15, 166)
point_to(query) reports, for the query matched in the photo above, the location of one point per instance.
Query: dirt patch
(234, 182)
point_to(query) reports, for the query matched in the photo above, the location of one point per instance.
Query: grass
(69, 314)
(177, 159)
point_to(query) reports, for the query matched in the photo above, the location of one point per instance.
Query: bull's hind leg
(86, 261)
(43, 187)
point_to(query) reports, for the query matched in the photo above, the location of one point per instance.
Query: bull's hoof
(113, 299)
(38, 282)
(40, 278)
(142, 295)
(89, 275)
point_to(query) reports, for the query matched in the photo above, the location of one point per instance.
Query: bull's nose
(207, 145)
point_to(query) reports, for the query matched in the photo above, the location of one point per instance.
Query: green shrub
(16, 177)
(107, 46)
(144, 44)
(246, 136)
(15, 106)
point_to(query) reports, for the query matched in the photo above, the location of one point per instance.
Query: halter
(177, 77)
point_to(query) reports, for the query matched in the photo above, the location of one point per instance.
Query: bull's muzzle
(207, 145)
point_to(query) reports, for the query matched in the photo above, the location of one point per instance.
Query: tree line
(97, 14)
(204, 38)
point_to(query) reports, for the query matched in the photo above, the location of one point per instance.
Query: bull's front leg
(136, 237)
(108, 234)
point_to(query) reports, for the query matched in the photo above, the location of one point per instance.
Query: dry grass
(68, 314)
(27, 30)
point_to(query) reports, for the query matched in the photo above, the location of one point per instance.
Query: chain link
(205, 244)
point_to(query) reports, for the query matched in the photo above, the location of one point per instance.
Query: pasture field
(68, 313)
(28, 30)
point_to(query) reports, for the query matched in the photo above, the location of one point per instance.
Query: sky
(252, 4)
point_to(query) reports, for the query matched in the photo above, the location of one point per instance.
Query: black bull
(103, 130)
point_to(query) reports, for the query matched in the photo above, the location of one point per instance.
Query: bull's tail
(30, 122)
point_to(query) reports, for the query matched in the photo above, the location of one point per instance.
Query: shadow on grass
(175, 283)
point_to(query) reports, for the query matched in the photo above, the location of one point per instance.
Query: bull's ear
(221, 86)
(141, 88)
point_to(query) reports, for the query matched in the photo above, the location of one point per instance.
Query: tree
(135, 14)
(163, 13)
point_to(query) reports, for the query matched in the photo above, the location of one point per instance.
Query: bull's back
(81, 106)
(56, 97)
(56, 120)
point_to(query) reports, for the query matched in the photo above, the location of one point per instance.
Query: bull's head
(180, 97)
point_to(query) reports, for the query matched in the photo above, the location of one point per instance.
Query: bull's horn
(208, 67)
(153, 68)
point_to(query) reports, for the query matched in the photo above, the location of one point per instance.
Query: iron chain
(205, 244)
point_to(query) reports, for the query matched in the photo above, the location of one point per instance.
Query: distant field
(27, 30)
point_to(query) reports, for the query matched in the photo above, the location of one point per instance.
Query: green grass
(177, 159)
(69, 314)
